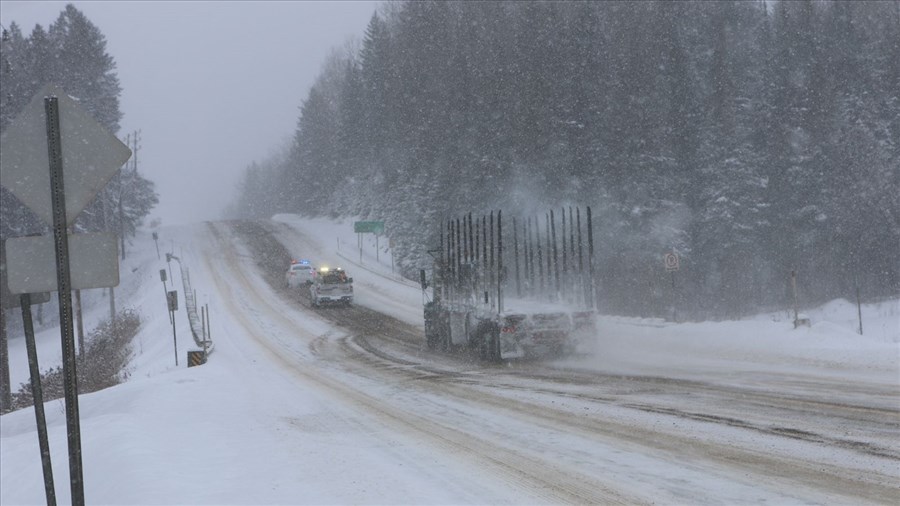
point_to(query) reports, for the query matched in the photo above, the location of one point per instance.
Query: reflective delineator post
(590, 238)
(172, 300)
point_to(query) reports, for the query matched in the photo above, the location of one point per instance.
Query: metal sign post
(794, 291)
(162, 276)
(859, 308)
(9, 301)
(208, 337)
(61, 239)
(169, 263)
(368, 227)
(37, 397)
(672, 265)
(156, 240)
(35, 140)
(172, 299)
(590, 239)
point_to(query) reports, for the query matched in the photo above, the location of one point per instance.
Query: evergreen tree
(314, 180)
(374, 75)
(84, 68)
(756, 138)
(71, 54)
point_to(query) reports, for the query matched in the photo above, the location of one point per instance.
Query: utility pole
(112, 296)
(122, 174)
(134, 149)
(134, 139)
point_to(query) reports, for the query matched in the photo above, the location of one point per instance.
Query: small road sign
(7, 299)
(671, 261)
(31, 262)
(10, 301)
(196, 358)
(172, 299)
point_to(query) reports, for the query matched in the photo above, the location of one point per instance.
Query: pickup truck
(331, 286)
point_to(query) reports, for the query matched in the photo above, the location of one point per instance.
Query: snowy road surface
(336, 406)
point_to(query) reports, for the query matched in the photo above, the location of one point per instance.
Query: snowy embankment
(715, 351)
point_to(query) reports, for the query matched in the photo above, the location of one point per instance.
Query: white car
(300, 273)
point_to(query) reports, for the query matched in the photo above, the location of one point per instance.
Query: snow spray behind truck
(478, 305)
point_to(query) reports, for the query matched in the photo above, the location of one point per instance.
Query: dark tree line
(755, 138)
(71, 53)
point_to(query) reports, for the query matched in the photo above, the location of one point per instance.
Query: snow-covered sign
(31, 262)
(368, 227)
(91, 156)
(671, 261)
(7, 299)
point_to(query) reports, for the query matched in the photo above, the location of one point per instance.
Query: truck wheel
(495, 345)
(486, 342)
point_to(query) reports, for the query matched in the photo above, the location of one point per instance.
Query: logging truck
(467, 310)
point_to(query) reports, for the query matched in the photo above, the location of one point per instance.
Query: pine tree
(374, 74)
(755, 137)
(71, 54)
(84, 68)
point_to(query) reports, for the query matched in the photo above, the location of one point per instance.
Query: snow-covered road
(580, 436)
(298, 406)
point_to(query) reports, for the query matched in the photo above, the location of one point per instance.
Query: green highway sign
(372, 227)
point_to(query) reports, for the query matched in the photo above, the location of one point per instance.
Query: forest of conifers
(754, 138)
(70, 53)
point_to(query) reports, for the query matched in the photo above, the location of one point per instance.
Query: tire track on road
(392, 350)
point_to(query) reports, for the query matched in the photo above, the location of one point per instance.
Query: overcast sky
(212, 86)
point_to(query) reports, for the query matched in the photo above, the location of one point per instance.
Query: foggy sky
(212, 86)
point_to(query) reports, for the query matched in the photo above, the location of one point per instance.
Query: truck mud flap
(487, 340)
(437, 327)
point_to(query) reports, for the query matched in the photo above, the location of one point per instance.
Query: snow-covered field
(283, 414)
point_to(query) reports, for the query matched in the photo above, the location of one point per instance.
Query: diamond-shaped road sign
(91, 156)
